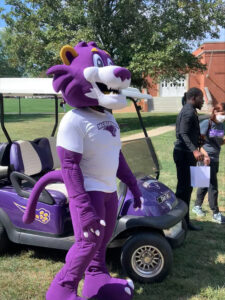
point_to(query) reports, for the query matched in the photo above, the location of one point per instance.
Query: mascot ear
(67, 54)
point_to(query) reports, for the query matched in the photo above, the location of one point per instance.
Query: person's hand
(198, 155)
(206, 160)
(138, 203)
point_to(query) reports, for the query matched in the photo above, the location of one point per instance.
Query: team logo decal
(109, 126)
(151, 184)
(42, 215)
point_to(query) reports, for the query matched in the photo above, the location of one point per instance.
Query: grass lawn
(36, 119)
(30, 126)
(199, 265)
(30, 105)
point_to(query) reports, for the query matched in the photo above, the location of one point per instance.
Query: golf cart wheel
(4, 241)
(147, 257)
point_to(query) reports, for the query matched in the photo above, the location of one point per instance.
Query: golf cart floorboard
(64, 242)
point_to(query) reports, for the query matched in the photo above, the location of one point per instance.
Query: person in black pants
(213, 131)
(186, 150)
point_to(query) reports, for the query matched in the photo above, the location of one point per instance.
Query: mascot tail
(51, 177)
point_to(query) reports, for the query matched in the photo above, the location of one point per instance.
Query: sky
(221, 38)
(7, 8)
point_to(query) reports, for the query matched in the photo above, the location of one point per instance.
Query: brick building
(211, 81)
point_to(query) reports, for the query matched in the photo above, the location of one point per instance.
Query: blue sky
(7, 8)
(222, 32)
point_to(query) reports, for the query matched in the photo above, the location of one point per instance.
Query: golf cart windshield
(139, 157)
(140, 153)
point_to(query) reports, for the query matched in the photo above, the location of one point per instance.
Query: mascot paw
(59, 292)
(129, 289)
(102, 287)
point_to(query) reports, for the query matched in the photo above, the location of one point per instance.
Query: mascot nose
(122, 73)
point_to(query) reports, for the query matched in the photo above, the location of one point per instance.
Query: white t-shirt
(96, 136)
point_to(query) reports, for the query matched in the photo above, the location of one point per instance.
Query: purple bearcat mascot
(89, 148)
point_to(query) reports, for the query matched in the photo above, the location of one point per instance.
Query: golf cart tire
(4, 241)
(158, 261)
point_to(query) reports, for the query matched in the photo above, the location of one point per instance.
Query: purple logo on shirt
(109, 126)
(216, 133)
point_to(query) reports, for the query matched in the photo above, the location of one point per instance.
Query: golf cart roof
(43, 86)
(27, 87)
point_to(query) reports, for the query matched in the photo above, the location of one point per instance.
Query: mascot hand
(89, 220)
(138, 203)
(94, 227)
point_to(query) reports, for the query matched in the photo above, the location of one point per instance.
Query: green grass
(198, 269)
(129, 123)
(30, 105)
(37, 114)
(32, 125)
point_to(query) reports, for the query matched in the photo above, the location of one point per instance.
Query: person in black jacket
(184, 100)
(186, 151)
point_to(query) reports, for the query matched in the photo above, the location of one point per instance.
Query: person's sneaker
(219, 218)
(198, 211)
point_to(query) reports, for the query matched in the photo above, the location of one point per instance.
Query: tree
(7, 69)
(149, 37)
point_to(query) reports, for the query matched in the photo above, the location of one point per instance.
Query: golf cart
(145, 236)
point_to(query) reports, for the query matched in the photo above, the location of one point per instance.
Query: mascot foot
(103, 286)
(59, 292)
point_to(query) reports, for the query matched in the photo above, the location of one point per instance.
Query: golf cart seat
(3, 172)
(51, 143)
(4, 160)
(31, 160)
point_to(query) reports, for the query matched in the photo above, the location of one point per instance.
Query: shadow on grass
(10, 118)
(198, 269)
(150, 121)
(128, 123)
(55, 255)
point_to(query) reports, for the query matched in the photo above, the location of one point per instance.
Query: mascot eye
(97, 60)
(109, 62)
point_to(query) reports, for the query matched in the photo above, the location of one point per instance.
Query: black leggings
(212, 189)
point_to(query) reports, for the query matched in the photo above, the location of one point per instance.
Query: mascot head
(89, 77)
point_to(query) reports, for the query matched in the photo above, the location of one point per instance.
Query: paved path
(151, 133)
(156, 131)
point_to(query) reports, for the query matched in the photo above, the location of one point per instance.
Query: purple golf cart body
(144, 236)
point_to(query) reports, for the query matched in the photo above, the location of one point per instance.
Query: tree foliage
(149, 37)
(8, 67)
